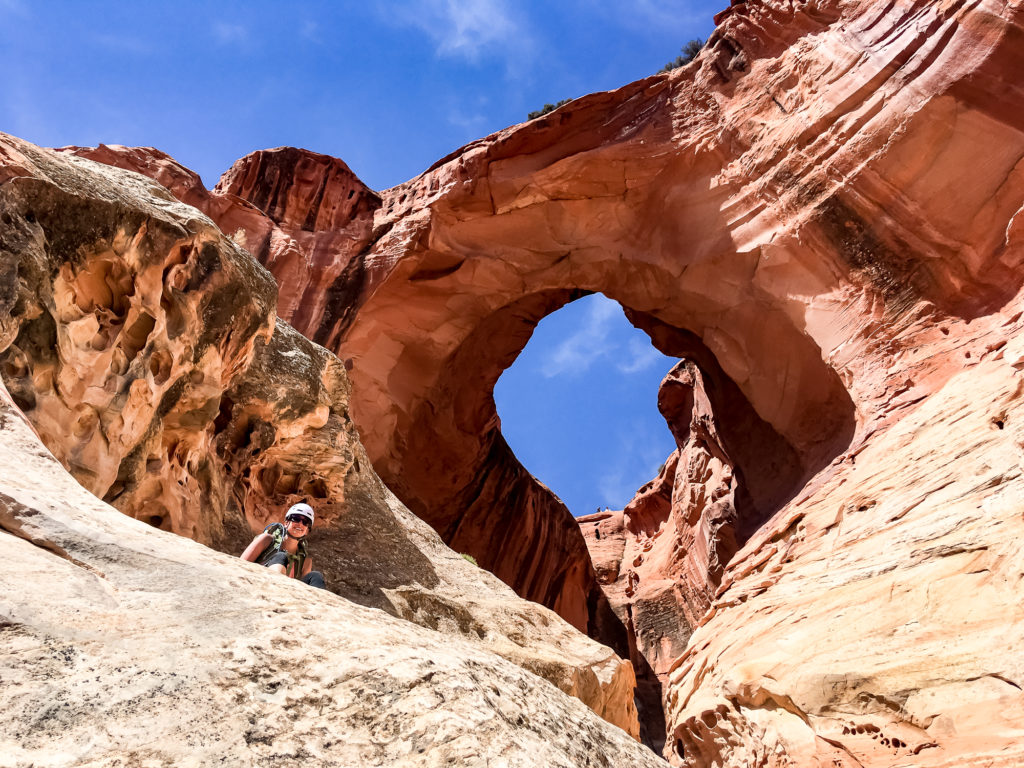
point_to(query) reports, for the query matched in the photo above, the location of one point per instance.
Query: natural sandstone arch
(844, 178)
(428, 348)
(672, 196)
(453, 467)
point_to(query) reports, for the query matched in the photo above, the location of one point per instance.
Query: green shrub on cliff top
(547, 108)
(690, 51)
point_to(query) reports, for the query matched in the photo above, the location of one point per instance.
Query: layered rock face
(831, 199)
(141, 344)
(661, 560)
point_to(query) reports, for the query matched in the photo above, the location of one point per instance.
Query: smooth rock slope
(128, 646)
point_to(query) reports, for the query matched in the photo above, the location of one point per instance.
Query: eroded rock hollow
(822, 216)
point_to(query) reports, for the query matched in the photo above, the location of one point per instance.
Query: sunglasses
(300, 519)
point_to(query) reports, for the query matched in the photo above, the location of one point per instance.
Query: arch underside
(428, 346)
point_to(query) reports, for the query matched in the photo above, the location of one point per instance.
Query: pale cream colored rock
(876, 620)
(122, 645)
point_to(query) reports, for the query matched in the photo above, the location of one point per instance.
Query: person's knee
(314, 579)
(278, 563)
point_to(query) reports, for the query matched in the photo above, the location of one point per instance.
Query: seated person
(282, 547)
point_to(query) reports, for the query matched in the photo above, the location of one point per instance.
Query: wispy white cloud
(599, 339)
(472, 124)
(227, 33)
(640, 355)
(615, 489)
(468, 29)
(589, 343)
(469, 115)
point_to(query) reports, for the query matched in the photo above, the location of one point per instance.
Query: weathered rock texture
(142, 345)
(831, 198)
(127, 646)
(315, 238)
(661, 560)
(304, 216)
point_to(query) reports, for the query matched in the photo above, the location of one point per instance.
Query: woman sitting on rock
(282, 547)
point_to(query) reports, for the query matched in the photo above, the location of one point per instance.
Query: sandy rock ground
(127, 646)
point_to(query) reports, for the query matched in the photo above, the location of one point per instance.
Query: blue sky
(389, 87)
(579, 406)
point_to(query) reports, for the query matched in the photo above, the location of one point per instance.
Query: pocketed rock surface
(142, 346)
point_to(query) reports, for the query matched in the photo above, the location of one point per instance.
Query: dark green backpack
(276, 530)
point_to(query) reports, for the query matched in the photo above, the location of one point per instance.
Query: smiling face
(297, 526)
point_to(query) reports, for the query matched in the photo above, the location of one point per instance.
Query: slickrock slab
(121, 645)
(142, 345)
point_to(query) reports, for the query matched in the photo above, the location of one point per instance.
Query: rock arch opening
(754, 409)
(579, 406)
(426, 355)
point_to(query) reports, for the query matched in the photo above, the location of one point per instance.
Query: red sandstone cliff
(830, 199)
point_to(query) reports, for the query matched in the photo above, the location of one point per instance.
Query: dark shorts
(313, 578)
(279, 558)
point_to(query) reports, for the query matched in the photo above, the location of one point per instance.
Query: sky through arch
(579, 406)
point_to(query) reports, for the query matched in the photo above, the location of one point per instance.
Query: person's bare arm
(307, 566)
(258, 544)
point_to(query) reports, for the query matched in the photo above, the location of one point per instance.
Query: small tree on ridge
(689, 53)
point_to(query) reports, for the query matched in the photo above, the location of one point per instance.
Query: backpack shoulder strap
(298, 560)
(276, 531)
